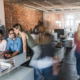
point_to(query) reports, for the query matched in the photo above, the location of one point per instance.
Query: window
(69, 21)
(58, 23)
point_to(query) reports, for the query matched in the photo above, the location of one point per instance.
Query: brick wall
(54, 21)
(27, 17)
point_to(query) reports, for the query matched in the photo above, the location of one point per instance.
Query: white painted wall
(2, 13)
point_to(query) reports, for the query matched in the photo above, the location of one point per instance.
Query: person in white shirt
(4, 31)
(3, 43)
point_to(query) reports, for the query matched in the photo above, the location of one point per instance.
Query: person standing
(28, 40)
(77, 50)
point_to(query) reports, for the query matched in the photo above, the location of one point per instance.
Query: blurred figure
(36, 29)
(71, 33)
(3, 43)
(28, 40)
(45, 65)
(77, 50)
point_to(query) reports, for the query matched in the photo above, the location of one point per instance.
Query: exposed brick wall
(51, 21)
(27, 17)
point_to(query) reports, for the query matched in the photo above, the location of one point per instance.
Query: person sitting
(71, 33)
(3, 29)
(14, 45)
(3, 43)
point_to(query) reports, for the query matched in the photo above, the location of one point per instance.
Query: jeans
(47, 73)
(78, 62)
(37, 50)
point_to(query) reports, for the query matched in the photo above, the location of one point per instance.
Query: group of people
(19, 39)
(17, 44)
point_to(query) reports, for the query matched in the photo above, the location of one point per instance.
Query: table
(21, 73)
(70, 42)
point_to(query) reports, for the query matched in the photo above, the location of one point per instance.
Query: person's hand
(3, 54)
(28, 57)
(9, 56)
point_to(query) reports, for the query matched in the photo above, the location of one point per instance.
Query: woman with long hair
(77, 50)
(28, 40)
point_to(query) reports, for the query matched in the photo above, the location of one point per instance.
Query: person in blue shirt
(14, 44)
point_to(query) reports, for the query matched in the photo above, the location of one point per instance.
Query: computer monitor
(59, 32)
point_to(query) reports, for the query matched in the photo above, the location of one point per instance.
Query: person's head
(11, 33)
(40, 23)
(1, 34)
(17, 28)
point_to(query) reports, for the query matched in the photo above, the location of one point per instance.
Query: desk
(70, 42)
(21, 73)
(17, 61)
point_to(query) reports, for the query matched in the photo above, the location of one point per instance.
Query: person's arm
(5, 52)
(74, 38)
(7, 49)
(8, 45)
(24, 40)
(12, 55)
(4, 46)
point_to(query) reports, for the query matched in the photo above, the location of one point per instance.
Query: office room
(39, 40)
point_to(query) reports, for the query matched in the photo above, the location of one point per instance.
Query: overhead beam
(42, 6)
(52, 4)
(35, 8)
(65, 4)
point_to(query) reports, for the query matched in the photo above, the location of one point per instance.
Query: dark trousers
(47, 73)
(78, 62)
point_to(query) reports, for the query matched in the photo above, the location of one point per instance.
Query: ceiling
(50, 5)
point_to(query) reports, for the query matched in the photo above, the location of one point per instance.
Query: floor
(67, 71)
(68, 68)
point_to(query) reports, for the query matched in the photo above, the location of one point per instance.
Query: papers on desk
(5, 66)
